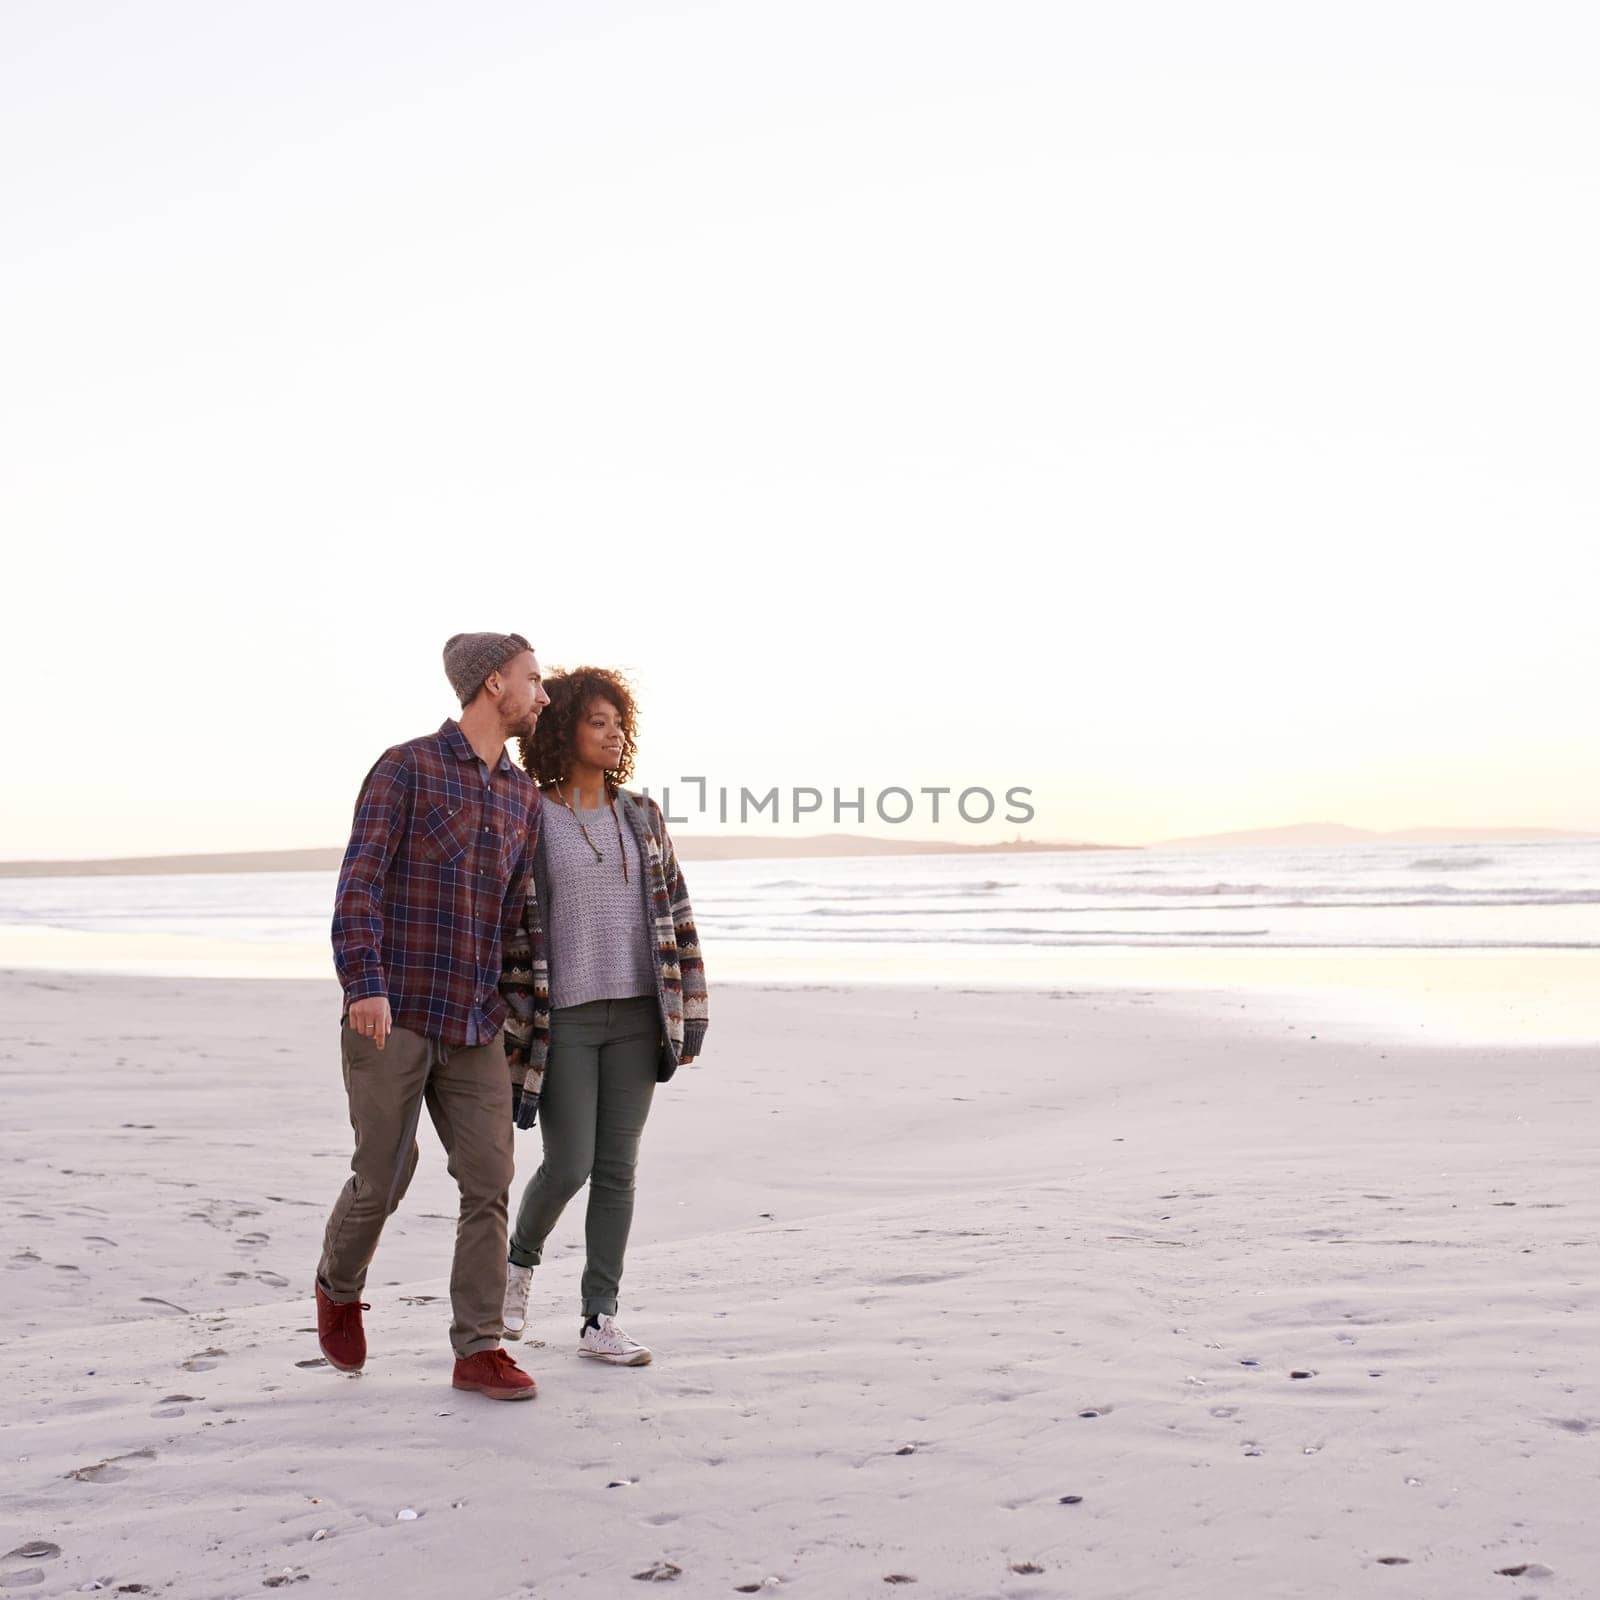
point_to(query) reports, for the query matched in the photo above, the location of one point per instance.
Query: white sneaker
(514, 1317)
(607, 1342)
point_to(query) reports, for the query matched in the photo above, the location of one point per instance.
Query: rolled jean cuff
(600, 1305)
(475, 1347)
(523, 1258)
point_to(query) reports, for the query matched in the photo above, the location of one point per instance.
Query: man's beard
(521, 727)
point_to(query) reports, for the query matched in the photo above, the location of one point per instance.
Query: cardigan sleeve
(525, 984)
(691, 966)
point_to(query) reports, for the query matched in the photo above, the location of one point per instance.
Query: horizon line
(707, 846)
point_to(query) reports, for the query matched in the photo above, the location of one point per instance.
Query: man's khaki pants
(468, 1093)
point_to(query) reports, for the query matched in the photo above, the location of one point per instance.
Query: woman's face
(598, 742)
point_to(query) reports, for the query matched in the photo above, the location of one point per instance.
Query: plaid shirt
(433, 881)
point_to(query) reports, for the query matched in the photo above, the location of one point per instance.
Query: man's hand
(370, 1018)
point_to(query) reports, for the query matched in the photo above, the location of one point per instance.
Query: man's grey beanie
(469, 658)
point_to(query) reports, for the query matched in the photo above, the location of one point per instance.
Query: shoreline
(1501, 996)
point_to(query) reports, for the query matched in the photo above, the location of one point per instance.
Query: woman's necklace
(599, 854)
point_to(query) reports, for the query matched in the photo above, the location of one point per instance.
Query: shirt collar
(450, 732)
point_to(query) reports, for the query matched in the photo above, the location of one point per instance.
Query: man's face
(521, 697)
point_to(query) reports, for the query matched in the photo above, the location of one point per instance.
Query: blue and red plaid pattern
(433, 882)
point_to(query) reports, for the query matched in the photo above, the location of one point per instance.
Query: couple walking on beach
(514, 943)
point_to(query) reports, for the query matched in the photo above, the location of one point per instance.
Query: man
(439, 861)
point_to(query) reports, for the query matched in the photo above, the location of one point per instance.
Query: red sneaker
(494, 1373)
(339, 1332)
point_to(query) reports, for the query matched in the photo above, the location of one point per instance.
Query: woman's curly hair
(547, 756)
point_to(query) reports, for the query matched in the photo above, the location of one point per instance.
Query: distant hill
(777, 848)
(688, 846)
(1337, 833)
(136, 866)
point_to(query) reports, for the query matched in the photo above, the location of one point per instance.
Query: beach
(1062, 535)
(1115, 1290)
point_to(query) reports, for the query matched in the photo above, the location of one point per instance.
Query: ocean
(1522, 896)
(1388, 896)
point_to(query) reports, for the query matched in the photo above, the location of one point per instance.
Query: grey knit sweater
(599, 945)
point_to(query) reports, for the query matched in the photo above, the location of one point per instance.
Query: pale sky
(1187, 412)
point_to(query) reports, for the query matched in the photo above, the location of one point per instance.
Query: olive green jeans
(599, 1081)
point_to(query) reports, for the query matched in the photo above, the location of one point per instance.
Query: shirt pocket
(445, 835)
(510, 840)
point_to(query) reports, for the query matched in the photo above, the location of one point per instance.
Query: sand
(1002, 1293)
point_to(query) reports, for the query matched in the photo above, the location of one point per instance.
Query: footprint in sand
(171, 1405)
(252, 1241)
(109, 1471)
(203, 1360)
(273, 1280)
(87, 1405)
(18, 1572)
(34, 1550)
(156, 1300)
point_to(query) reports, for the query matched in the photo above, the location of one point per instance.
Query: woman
(606, 991)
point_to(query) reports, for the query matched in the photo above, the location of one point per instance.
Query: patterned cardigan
(680, 973)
